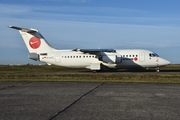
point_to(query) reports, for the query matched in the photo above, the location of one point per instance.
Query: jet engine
(33, 56)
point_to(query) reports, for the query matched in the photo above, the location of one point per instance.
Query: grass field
(168, 74)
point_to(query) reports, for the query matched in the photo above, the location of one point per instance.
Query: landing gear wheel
(157, 69)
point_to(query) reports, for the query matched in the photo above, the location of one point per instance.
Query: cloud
(86, 14)
(102, 33)
(6, 9)
(71, 10)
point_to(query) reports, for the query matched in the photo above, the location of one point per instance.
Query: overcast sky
(69, 24)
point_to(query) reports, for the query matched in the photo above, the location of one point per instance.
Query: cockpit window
(153, 55)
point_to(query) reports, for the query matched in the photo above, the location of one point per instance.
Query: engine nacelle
(112, 58)
(33, 56)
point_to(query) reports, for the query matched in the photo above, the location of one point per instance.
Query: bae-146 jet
(93, 59)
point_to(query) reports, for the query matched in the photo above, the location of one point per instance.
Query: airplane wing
(94, 50)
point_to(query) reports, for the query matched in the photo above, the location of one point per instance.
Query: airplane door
(57, 58)
(141, 57)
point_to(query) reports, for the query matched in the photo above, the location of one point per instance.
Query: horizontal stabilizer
(23, 29)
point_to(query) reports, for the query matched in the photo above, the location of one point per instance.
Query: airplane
(93, 59)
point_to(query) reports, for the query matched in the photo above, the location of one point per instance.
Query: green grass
(169, 74)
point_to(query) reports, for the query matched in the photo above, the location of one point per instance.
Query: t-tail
(35, 42)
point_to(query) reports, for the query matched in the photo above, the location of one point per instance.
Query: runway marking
(75, 101)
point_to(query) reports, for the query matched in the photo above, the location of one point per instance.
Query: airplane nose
(163, 62)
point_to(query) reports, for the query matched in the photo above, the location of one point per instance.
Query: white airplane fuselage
(93, 59)
(128, 59)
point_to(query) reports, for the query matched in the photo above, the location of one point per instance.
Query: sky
(67, 24)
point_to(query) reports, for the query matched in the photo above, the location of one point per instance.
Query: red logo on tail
(34, 42)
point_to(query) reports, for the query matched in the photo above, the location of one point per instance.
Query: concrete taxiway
(87, 101)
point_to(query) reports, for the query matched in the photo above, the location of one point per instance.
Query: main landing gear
(157, 69)
(94, 71)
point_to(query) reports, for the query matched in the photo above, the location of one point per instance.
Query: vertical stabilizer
(34, 41)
